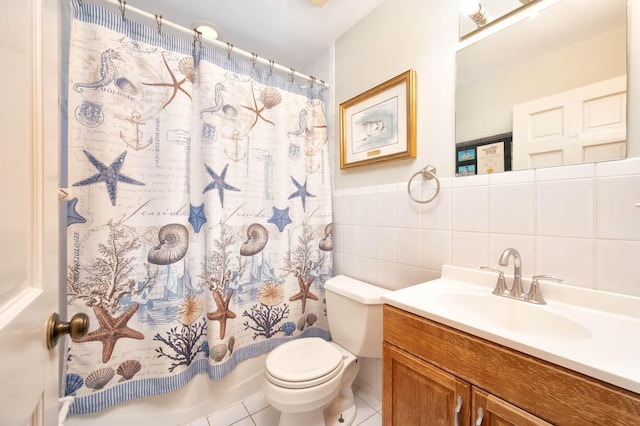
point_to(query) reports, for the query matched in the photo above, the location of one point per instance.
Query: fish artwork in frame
(379, 125)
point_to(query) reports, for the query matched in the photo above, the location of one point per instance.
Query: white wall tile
(368, 371)
(630, 166)
(367, 241)
(409, 212)
(617, 216)
(518, 176)
(512, 209)
(407, 275)
(366, 269)
(471, 209)
(386, 275)
(410, 246)
(387, 212)
(469, 181)
(348, 214)
(339, 209)
(470, 249)
(338, 263)
(526, 246)
(387, 244)
(438, 213)
(350, 239)
(565, 208)
(365, 209)
(617, 266)
(571, 259)
(436, 248)
(337, 235)
(349, 265)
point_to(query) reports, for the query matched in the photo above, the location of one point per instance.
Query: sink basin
(514, 316)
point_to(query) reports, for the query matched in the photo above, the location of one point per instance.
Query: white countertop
(591, 332)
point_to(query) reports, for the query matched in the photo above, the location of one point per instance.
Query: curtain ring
(313, 81)
(292, 74)
(229, 50)
(159, 22)
(271, 63)
(254, 58)
(80, 3)
(197, 38)
(122, 7)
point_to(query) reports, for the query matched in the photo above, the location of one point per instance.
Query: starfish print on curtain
(111, 329)
(280, 218)
(109, 175)
(219, 183)
(304, 292)
(301, 192)
(222, 312)
(175, 84)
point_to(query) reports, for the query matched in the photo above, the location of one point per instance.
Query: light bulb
(469, 7)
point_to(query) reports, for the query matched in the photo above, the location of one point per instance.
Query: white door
(585, 124)
(29, 229)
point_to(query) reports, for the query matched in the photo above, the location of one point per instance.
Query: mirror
(555, 83)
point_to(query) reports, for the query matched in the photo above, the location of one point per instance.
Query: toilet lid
(302, 360)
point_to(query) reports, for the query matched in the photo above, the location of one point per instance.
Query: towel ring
(428, 172)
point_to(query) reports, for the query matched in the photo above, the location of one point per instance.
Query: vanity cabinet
(427, 365)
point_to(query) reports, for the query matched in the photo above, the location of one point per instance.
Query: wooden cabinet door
(489, 410)
(415, 393)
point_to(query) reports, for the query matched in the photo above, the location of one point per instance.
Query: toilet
(309, 379)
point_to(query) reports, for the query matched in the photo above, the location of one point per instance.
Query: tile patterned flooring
(256, 411)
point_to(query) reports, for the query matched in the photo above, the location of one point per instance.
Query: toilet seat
(303, 363)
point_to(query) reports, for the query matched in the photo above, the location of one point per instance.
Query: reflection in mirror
(555, 82)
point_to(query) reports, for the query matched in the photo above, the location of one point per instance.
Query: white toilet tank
(354, 312)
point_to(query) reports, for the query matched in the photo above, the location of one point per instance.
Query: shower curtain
(199, 224)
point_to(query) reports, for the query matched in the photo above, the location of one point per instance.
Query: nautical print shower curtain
(199, 224)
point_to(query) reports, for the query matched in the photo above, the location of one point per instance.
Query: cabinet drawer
(555, 394)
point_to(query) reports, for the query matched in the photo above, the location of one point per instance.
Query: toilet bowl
(309, 379)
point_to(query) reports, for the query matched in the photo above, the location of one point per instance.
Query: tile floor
(256, 411)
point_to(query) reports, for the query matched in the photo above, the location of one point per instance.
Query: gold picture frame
(379, 125)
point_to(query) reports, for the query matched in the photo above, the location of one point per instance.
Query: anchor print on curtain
(199, 232)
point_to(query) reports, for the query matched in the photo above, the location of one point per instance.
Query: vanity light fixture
(474, 10)
(209, 30)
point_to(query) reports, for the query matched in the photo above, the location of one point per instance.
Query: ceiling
(289, 32)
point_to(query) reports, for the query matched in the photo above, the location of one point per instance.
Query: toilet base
(340, 409)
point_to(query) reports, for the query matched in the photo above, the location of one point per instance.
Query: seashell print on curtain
(199, 233)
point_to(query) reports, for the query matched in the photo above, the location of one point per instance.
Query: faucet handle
(501, 285)
(535, 293)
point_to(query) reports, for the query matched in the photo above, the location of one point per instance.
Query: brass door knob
(76, 328)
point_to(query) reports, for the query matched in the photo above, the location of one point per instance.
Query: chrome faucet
(516, 288)
(516, 292)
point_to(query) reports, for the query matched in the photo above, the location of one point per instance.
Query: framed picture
(380, 124)
(486, 155)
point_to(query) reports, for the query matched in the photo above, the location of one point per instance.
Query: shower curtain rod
(230, 48)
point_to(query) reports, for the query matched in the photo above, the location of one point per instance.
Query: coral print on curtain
(199, 234)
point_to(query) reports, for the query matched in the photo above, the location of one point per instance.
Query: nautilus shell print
(174, 242)
(326, 243)
(256, 241)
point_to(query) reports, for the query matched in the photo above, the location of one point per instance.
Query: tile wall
(581, 223)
